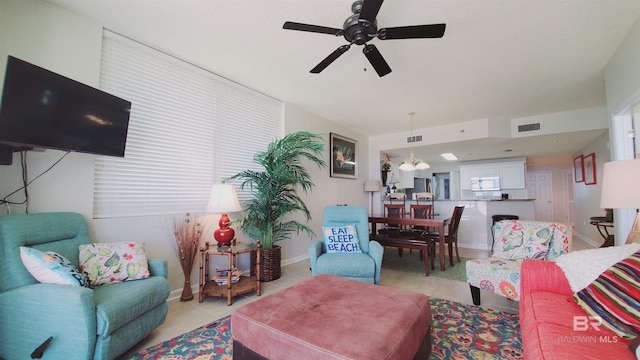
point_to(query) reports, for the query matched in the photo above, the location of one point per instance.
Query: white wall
(622, 85)
(68, 44)
(587, 197)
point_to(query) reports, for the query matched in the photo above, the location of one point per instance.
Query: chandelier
(412, 164)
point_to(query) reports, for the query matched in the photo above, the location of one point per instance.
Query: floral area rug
(460, 331)
(463, 331)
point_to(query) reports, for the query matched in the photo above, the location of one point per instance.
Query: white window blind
(188, 129)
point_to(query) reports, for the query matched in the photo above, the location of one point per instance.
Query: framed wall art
(589, 169)
(578, 170)
(344, 157)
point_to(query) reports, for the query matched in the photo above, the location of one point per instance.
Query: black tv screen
(42, 109)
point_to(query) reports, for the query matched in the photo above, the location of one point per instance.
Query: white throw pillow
(51, 268)
(341, 239)
(582, 267)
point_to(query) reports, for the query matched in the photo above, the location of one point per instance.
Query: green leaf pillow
(106, 263)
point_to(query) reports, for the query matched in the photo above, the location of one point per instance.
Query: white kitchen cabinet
(512, 174)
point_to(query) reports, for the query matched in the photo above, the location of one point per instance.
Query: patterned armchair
(516, 240)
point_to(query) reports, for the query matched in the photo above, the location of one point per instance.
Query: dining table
(436, 222)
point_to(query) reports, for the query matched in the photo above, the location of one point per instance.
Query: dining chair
(395, 211)
(421, 211)
(425, 197)
(450, 237)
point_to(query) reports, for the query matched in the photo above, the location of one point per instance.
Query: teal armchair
(99, 323)
(363, 266)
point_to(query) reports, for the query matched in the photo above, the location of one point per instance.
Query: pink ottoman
(329, 317)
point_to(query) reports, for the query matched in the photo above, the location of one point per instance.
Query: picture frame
(578, 169)
(344, 157)
(589, 169)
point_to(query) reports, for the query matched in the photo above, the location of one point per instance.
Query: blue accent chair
(100, 323)
(363, 267)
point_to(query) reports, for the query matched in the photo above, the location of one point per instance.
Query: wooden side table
(245, 284)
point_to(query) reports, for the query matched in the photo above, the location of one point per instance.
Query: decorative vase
(187, 294)
(270, 261)
(384, 177)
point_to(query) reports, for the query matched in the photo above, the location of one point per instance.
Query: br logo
(583, 323)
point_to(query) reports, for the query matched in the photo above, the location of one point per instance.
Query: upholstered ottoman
(330, 317)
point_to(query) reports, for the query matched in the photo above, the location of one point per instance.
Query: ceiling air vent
(529, 127)
(412, 139)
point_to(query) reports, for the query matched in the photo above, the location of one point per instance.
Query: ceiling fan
(361, 27)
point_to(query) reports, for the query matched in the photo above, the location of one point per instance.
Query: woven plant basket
(270, 261)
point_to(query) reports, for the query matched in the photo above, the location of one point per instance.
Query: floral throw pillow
(51, 268)
(106, 263)
(517, 240)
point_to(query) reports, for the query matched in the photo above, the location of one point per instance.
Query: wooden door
(540, 187)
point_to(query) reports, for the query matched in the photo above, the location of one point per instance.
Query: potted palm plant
(275, 195)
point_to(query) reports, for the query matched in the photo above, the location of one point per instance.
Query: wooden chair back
(425, 197)
(394, 210)
(455, 223)
(420, 211)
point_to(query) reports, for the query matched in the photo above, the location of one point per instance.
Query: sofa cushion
(119, 303)
(341, 239)
(347, 265)
(614, 297)
(558, 342)
(106, 263)
(547, 331)
(51, 268)
(519, 240)
(553, 308)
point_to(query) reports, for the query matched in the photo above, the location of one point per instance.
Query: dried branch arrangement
(188, 234)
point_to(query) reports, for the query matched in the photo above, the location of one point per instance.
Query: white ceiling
(498, 59)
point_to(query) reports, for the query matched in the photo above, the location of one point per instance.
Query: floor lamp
(620, 190)
(371, 186)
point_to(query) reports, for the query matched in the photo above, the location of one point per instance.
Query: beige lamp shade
(223, 199)
(620, 190)
(371, 186)
(621, 185)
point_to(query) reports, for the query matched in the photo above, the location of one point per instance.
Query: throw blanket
(582, 267)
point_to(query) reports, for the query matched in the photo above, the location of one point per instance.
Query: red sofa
(547, 316)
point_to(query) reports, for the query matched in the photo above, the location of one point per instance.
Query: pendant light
(412, 164)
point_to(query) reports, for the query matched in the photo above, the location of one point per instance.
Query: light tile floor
(405, 272)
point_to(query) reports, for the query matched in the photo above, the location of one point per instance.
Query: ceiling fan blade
(370, 9)
(412, 32)
(312, 28)
(329, 59)
(376, 60)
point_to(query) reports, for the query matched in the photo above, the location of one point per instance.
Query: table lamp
(223, 199)
(620, 190)
(371, 186)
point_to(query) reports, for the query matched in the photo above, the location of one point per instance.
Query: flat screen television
(42, 109)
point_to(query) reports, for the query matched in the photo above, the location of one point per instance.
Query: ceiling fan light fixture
(421, 165)
(407, 166)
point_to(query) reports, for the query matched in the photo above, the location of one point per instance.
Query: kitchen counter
(507, 200)
(475, 226)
